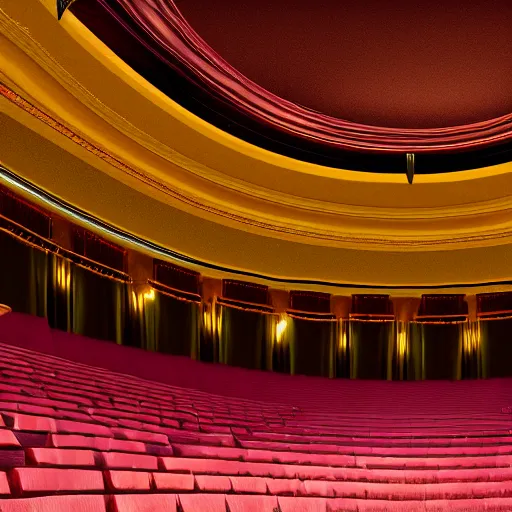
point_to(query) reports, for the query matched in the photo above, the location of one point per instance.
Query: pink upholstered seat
(78, 438)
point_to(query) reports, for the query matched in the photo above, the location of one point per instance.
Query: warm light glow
(342, 336)
(138, 299)
(402, 340)
(63, 275)
(207, 320)
(213, 321)
(150, 295)
(402, 344)
(343, 341)
(472, 336)
(402, 347)
(280, 328)
(219, 322)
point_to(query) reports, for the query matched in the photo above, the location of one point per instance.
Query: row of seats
(225, 503)
(30, 480)
(75, 437)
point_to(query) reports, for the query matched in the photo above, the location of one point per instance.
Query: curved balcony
(88, 289)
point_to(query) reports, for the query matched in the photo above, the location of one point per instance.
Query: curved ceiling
(420, 64)
(105, 140)
(437, 94)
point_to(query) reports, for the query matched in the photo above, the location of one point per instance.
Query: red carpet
(209, 438)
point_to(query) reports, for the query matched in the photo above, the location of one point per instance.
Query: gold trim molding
(53, 72)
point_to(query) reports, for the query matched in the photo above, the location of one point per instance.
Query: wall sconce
(472, 335)
(402, 347)
(207, 319)
(342, 336)
(150, 295)
(63, 275)
(212, 321)
(281, 328)
(402, 340)
(142, 295)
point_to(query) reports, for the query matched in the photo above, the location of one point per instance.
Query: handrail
(440, 322)
(175, 292)
(9, 226)
(441, 319)
(371, 317)
(312, 316)
(506, 316)
(460, 315)
(373, 320)
(239, 304)
(303, 311)
(124, 236)
(490, 313)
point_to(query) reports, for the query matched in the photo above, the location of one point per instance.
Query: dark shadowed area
(400, 64)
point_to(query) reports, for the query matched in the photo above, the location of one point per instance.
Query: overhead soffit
(54, 163)
(164, 46)
(275, 209)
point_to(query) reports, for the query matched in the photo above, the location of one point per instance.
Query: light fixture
(280, 328)
(402, 340)
(63, 275)
(342, 345)
(472, 336)
(150, 295)
(410, 167)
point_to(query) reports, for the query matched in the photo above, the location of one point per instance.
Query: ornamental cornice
(35, 82)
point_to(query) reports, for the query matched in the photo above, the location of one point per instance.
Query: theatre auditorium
(255, 256)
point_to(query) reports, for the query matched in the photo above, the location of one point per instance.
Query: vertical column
(60, 304)
(405, 309)
(280, 300)
(142, 297)
(471, 346)
(472, 307)
(212, 320)
(340, 307)
(281, 325)
(211, 288)
(62, 232)
(140, 269)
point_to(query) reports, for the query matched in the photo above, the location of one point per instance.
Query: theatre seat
(80, 438)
